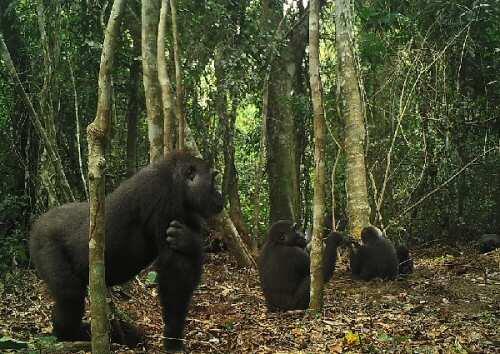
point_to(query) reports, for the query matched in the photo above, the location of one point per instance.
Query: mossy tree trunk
(150, 18)
(165, 83)
(317, 281)
(98, 134)
(358, 208)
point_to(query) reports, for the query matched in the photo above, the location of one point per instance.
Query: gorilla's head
(371, 234)
(286, 233)
(200, 192)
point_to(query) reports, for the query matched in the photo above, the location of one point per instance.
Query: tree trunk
(281, 139)
(98, 133)
(179, 85)
(358, 208)
(165, 84)
(317, 281)
(230, 177)
(150, 18)
(132, 114)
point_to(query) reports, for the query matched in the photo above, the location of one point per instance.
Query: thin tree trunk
(150, 18)
(98, 133)
(132, 114)
(179, 85)
(357, 194)
(317, 281)
(165, 84)
(78, 133)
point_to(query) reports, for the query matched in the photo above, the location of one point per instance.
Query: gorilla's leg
(68, 291)
(67, 317)
(301, 296)
(179, 273)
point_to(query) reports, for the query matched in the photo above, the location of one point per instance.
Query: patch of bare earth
(450, 304)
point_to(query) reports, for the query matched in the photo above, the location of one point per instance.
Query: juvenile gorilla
(284, 266)
(156, 214)
(375, 258)
(405, 262)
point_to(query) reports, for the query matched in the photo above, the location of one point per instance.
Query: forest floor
(450, 304)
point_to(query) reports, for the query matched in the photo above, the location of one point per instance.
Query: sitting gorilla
(375, 258)
(405, 261)
(489, 242)
(154, 215)
(284, 266)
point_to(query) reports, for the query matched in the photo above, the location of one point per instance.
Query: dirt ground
(451, 304)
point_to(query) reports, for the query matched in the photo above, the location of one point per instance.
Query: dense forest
(341, 123)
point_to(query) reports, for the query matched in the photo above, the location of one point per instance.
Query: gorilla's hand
(181, 238)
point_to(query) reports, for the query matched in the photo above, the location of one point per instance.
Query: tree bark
(317, 281)
(165, 84)
(358, 208)
(179, 85)
(98, 133)
(150, 18)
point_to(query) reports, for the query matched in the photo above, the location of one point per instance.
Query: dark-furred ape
(405, 262)
(375, 258)
(154, 215)
(284, 266)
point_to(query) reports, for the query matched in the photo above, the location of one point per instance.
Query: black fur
(489, 242)
(405, 261)
(156, 214)
(375, 258)
(284, 266)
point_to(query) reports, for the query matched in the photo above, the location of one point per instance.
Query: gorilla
(284, 266)
(157, 214)
(489, 242)
(375, 258)
(405, 261)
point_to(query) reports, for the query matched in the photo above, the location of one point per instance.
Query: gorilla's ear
(190, 172)
(295, 227)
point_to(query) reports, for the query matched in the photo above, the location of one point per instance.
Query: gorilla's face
(286, 233)
(202, 194)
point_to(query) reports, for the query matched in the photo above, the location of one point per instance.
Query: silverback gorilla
(375, 258)
(156, 214)
(284, 266)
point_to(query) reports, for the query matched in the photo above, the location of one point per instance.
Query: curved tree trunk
(98, 133)
(357, 194)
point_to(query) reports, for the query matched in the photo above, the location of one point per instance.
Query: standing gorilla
(156, 214)
(284, 266)
(375, 258)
